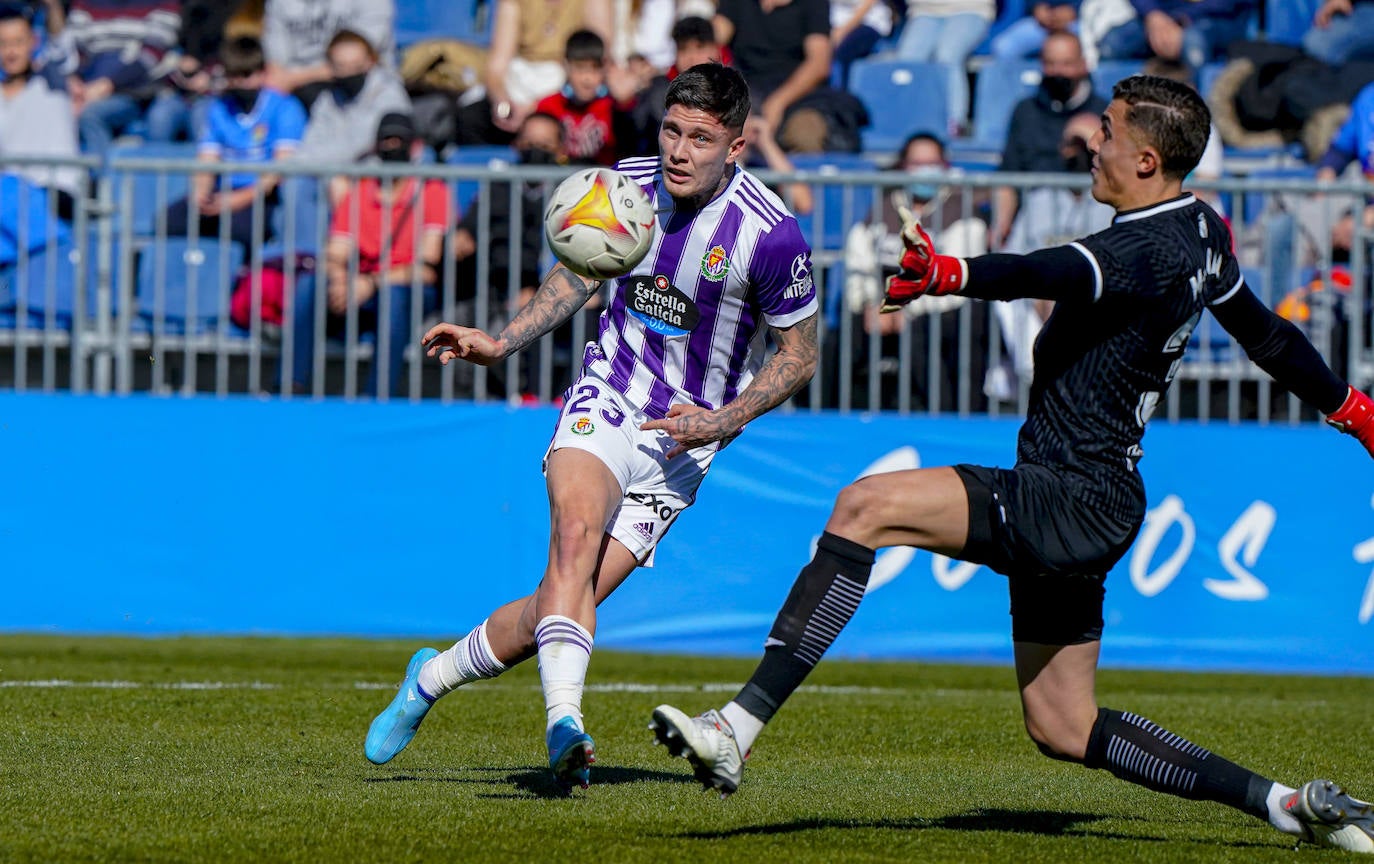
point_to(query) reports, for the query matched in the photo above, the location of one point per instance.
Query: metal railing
(117, 301)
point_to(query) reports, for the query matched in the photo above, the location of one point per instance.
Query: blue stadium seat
(837, 206)
(152, 190)
(167, 272)
(1000, 85)
(465, 190)
(902, 97)
(1286, 21)
(48, 284)
(1108, 72)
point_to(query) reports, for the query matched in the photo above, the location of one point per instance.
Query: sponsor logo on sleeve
(715, 264)
(801, 278)
(661, 306)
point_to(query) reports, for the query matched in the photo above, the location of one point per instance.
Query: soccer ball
(599, 223)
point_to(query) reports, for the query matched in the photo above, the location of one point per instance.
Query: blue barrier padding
(142, 515)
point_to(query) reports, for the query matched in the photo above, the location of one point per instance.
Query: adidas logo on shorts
(644, 529)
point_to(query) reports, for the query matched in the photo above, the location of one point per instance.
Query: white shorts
(596, 418)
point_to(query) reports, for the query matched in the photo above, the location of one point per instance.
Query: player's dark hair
(242, 56)
(584, 45)
(1170, 116)
(345, 36)
(693, 28)
(718, 90)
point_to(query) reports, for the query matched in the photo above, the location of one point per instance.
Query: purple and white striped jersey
(686, 325)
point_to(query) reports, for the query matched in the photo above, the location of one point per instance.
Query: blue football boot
(571, 753)
(392, 730)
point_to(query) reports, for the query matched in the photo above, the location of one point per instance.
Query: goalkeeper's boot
(1330, 817)
(571, 753)
(706, 741)
(392, 729)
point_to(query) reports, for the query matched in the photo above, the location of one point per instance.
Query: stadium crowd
(981, 85)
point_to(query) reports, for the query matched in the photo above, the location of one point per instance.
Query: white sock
(565, 648)
(470, 659)
(745, 725)
(1279, 817)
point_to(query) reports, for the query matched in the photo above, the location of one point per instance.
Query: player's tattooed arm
(562, 293)
(786, 372)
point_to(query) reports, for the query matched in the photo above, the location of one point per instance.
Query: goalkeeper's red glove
(922, 270)
(1355, 417)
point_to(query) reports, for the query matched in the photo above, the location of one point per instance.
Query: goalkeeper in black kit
(1126, 301)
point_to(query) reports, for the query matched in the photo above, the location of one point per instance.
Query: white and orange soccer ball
(599, 223)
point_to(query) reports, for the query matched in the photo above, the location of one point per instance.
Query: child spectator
(248, 122)
(589, 113)
(402, 219)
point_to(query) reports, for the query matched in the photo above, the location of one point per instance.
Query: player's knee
(573, 538)
(856, 509)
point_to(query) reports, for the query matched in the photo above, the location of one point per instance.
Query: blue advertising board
(143, 515)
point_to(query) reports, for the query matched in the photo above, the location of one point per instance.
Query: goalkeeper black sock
(1140, 752)
(821, 602)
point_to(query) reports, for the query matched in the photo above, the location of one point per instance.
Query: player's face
(16, 46)
(699, 154)
(1116, 158)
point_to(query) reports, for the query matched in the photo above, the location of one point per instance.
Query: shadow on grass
(1042, 822)
(528, 782)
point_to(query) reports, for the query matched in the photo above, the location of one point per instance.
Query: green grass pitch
(201, 749)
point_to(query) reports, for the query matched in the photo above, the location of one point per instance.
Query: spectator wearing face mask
(1037, 123)
(247, 122)
(344, 117)
(395, 228)
(296, 38)
(871, 252)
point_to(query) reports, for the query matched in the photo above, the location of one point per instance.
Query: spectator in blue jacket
(1191, 31)
(1025, 36)
(1342, 30)
(248, 122)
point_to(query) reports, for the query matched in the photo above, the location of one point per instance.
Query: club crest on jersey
(582, 426)
(715, 264)
(661, 306)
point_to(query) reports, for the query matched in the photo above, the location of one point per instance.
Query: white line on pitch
(608, 687)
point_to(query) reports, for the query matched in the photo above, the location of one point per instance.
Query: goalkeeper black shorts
(1031, 525)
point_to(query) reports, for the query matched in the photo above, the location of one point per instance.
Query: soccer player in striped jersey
(679, 367)
(1127, 300)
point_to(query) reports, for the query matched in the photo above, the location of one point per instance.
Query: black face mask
(1058, 87)
(243, 98)
(347, 87)
(1080, 161)
(537, 156)
(399, 153)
